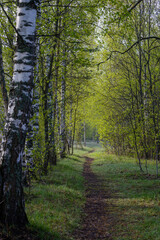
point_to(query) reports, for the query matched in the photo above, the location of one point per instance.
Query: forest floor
(99, 196)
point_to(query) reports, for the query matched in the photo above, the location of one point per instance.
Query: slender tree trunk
(57, 65)
(63, 115)
(74, 126)
(132, 124)
(53, 153)
(46, 158)
(51, 113)
(70, 125)
(46, 112)
(3, 90)
(84, 126)
(139, 31)
(11, 191)
(2, 81)
(56, 89)
(136, 146)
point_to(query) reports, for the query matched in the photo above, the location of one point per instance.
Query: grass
(55, 203)
(134, 197)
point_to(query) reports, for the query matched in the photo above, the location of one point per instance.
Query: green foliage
(124, 97)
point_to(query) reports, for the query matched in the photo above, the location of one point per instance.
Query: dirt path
(97, 222)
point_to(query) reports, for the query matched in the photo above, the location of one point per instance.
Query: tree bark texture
(33, 129)
(20, 99)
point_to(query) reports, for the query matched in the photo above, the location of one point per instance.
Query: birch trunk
(20, 99)
(33, 129)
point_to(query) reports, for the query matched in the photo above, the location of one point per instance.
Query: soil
(97, 221)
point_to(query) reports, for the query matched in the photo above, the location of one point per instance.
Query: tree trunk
(2, 81)
(70, 127)
(12, 199)
(74, 125)
(33, 129)
(56, 88)
(63, 123)
(84, 128)
(53, 153)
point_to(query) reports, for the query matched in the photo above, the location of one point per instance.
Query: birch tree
(20, 99)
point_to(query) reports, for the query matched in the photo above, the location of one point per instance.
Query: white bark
(19, 107)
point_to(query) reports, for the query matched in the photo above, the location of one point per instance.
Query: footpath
(96, 222)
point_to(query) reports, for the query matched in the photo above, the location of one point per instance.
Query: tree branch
(127, 50)
(131, 8)
(11, 22)
(135, 5)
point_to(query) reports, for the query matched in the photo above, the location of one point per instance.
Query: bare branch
(127, 50)
(11, 21)
(135, 5)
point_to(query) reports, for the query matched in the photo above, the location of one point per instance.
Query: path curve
(96, 222)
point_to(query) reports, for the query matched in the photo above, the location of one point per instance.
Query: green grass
(89, 146)
(55, 203)
(134, 197)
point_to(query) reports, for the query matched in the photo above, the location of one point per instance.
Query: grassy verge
(134, 198)
(55, 203)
